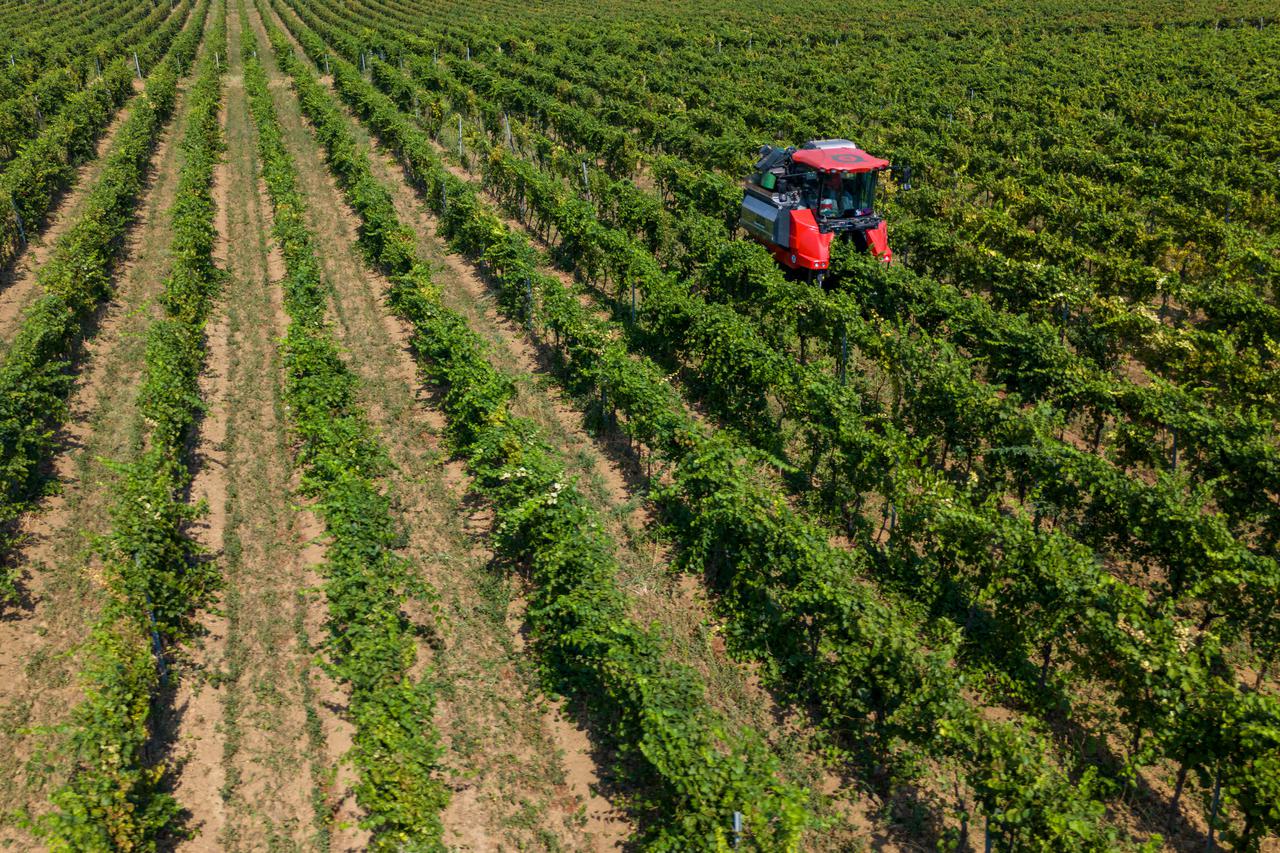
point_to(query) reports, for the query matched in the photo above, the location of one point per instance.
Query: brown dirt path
(522, 775)
(61, 572)
(194, 720)
(18, 287)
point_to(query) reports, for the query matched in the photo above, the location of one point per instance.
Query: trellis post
(22, 232)
(157, 647)
(844, 355)
(1211, 843)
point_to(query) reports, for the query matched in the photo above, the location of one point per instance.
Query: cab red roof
(838, 160)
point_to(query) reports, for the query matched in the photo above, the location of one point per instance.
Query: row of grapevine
(371, 643)
(47, 165)
(38, 370)
(796, 601)
(156, 577)
(695, 771)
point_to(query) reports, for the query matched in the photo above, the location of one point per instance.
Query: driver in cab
(834, 197)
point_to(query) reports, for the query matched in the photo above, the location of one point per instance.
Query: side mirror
(904, 174)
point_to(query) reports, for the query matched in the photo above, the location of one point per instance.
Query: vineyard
(404, 447)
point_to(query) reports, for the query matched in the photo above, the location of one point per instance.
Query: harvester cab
(798, 199)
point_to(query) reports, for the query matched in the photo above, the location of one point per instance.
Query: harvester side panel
(765, 221)
(810, 247)
(878, 240)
